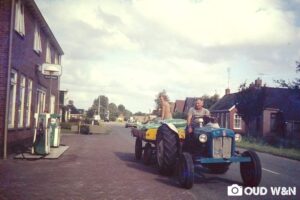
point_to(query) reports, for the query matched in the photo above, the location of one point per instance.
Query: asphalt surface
(103, 167)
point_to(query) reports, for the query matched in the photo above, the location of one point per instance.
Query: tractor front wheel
(251, 171)
(138, 148)
(185, 170)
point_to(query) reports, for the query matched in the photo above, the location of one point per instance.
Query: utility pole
(99, 101)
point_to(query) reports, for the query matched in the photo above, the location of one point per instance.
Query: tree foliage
(210, 100)
(139, 113)
(121, 109)
(249, 102)
(295, 84)
(114, 110)
(93, 110)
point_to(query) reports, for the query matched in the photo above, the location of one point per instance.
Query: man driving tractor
(195, 112)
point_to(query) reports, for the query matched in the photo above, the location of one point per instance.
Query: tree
(157, 102)
(209, 101)
(113, 111)
(249, 103)
(127, 114)
(121, 109)
(93, 110)
(295, 84)
(139, 113)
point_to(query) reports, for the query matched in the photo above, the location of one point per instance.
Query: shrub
(85, 129)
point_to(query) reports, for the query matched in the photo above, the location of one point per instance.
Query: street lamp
(51, 71)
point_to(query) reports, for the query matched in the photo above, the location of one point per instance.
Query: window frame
(19, 18)
(48, 53)
(21, 103)
(28, 103)
(237, 118)
(52, 104)
(12, 97)
(37, 42)
(40, 100)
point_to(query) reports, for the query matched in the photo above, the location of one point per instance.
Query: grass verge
(292, 153)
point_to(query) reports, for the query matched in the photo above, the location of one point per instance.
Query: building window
(28, 103)
(237, 121)
(37, 45)
(19, 18)
(48, 54)
(12, 99)
(56, 59)
(21, 102)
(227, 120)
(52, 104)
(40, 99)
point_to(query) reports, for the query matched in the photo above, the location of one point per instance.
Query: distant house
(226, 113)
(280, 114)
(27, 42)
(72, 113)
(179, 106)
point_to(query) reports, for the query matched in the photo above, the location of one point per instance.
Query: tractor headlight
(238, 137)
(202, 138)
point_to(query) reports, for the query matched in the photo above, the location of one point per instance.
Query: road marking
(271, 171)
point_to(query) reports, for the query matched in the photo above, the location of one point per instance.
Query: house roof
(179, 105)
(43, 24)
(225, 103)
(286, 100)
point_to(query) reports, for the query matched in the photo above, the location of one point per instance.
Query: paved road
(103, 167)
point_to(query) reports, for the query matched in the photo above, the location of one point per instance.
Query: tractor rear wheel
(166, 150)
(147, 156)
(138, 148)
(185, 170)
(251, 171)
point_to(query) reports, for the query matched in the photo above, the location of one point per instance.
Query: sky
(130, 50)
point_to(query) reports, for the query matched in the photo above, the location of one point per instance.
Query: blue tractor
(210, 146)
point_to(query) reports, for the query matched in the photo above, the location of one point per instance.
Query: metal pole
(99, 106)
(50, 92)
(8, 80)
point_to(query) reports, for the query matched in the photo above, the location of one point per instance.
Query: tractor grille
(222, 147)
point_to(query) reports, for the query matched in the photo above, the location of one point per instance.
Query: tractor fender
(172, 127)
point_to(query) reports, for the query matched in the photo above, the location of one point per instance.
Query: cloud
(132, 49)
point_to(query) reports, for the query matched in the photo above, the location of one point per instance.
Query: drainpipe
(8, 79)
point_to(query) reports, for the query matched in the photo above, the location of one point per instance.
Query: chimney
(258, 83)
(227, 91)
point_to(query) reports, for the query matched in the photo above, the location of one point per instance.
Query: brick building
(279, 113)
(26, 43)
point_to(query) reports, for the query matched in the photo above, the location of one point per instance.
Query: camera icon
(234, 190)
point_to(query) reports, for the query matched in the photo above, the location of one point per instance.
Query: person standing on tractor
(195, 112)
(165, 107)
